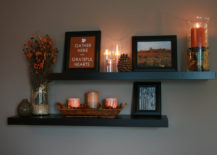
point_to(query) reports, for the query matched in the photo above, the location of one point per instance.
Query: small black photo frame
(154, 53)
(146, 99)
(82, 51)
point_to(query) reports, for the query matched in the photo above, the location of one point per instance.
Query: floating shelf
(133, 76)
(120, 121)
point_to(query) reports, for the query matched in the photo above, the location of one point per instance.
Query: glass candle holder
(111, 103)
(73, 102)
(117, 56)
(110, 65)
(106, 57)
(110, 59)
(198, 44)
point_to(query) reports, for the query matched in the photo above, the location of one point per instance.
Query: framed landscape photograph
(82, 51)
(147, 99)
(154, 53)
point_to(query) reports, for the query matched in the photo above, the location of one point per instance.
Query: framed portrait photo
(154, 53)
(146, 99)
(82, 51)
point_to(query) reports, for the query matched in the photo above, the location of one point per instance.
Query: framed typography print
(154, 53)
(82, 51)
(147, 98)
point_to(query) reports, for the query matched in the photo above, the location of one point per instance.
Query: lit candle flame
(107, 52)
(197, 25)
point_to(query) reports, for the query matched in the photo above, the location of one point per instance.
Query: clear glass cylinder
(198, 44)
(110, 60)
(111, 65)
(106, 57)
(39, 100)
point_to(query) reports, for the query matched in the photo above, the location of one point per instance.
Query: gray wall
(190, 105)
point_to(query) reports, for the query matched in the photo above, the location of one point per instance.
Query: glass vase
(198, 44)
(39, 100)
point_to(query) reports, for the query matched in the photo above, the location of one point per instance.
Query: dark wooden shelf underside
(133, 76)
(120, 121)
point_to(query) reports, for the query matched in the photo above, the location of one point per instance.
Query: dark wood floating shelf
(133, 76)
(120, 121)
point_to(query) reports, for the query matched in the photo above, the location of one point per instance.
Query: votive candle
(73, 102)
(110, 65)
(111, 103)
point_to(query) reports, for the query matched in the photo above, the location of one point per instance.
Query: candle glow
(197, 25)
(107, 53)
(111, 59)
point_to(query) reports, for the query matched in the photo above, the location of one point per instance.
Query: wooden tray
(88, 112)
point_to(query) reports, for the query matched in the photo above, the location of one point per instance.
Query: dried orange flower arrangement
(41, 55)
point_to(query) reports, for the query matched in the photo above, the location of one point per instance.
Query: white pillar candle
(117, 56)
(92, 99)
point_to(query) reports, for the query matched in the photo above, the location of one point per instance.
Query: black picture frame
(81, 50)
(162, 57)
(146, 99)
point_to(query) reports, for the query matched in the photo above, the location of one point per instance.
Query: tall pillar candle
(106, 57)
(117, 56)
(92, 99)
(198, 36)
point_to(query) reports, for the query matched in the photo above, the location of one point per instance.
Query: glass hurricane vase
(198, 52)
(39, 100)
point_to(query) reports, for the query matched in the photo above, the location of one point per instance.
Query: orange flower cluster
(41, 54)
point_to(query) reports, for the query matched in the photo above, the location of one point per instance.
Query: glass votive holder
(111, 65)
(73, 102)
(111, 103)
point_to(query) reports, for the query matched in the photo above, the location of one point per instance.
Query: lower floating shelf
(120, 121)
